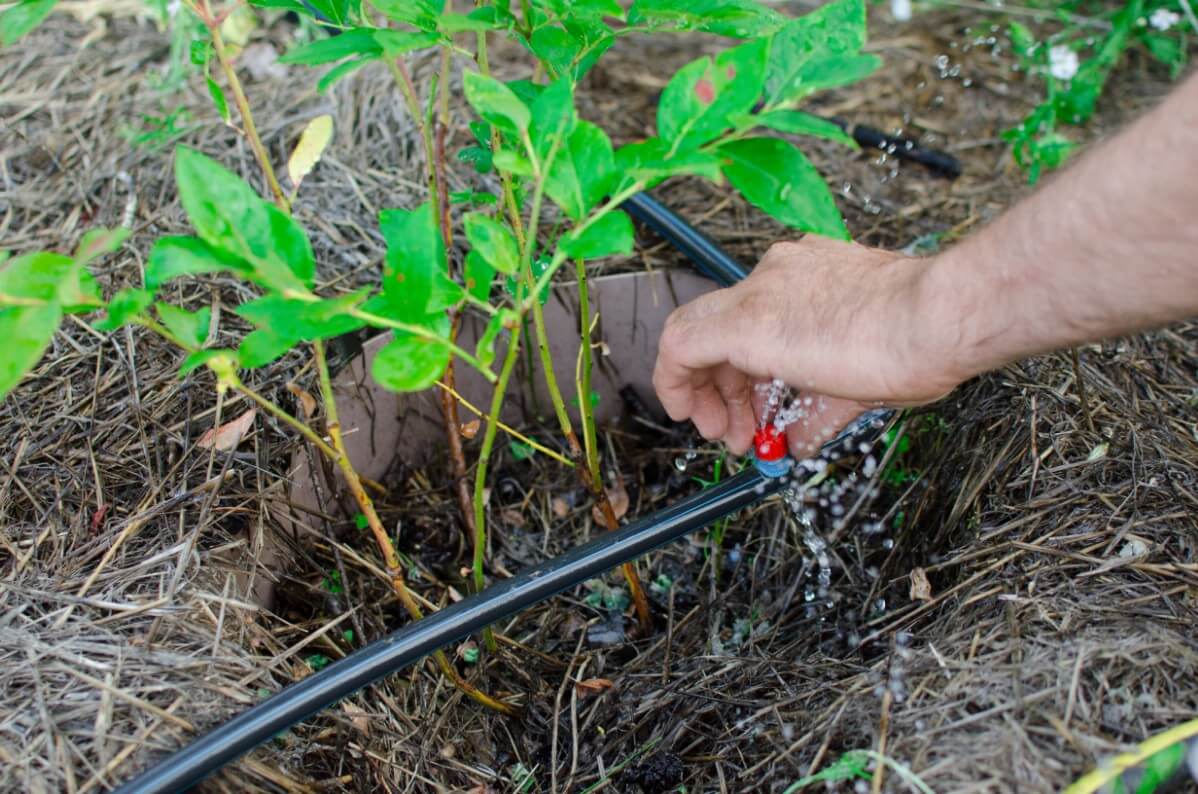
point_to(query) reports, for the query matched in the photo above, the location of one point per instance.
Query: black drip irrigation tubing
(387, 655)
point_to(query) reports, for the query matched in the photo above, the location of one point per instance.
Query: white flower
(1162, 19)
(1062, 62)
(901, 10)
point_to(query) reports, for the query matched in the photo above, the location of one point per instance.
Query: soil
(1049, 505)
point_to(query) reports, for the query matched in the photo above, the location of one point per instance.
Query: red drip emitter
(769, 451)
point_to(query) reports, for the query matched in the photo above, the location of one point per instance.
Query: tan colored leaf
(307, 401)
(359, 718)
(592, 686)
(469, 429)
(512, 516)
(617, 496)
(561, 508)
(921, 588)
(312, 143)
(228, 435)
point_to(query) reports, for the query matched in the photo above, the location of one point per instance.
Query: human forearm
(1108, 247)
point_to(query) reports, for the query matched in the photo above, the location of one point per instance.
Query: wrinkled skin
(837, 321)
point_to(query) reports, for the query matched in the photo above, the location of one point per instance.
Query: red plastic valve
(769, 444)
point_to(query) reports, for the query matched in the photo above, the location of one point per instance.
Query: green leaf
(218, 100)
(796, 122)
(398, 42)
(98, 242)
(36, 276)
(824, 73)
(358, 41)
(609, 235)
(583, 171)
(201, 357)
(189, 327)
(496, 103)
(779, 179)
(571, 50)
(852, 765)
(511, 162)
(413, 283)
(412, 363)
(123, 308)
(340, 12)
(520, 450)
(472, 197)
(27, 331)
(553, 116)
(287, 5)
(420, 14)
(479, 276)
(262, 346)
(306, 320)
(493, 241)
(479, 20)
(17, 20)
(329, 78)
(740, 19)
(699, 99)
(651, 161)
(172, 257)
(833, 30)
(228, 215)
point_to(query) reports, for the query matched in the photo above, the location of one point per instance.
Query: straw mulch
(1049, 506)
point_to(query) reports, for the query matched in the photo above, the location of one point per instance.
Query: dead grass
(1062, 619)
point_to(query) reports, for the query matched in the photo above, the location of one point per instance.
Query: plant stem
(484, 455)
(386, 547)
(243, 107)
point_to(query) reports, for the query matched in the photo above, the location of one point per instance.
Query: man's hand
(840, 322)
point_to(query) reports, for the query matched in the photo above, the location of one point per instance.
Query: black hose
(705, 255)
(401, 648)
(903, 148)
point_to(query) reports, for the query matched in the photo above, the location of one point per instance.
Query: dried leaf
(469, 429)
(617, 496)
(359, 718)
(312, 143)
(228, 435)
(307, 401)
(512, 516)
(1098, 453)
(592, 686)
(561, 508)
(921, 588)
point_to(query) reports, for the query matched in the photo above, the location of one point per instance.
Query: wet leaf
(779, 179)
(228, 435)
(312, 143)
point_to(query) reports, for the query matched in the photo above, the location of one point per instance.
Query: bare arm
(1106, 248)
